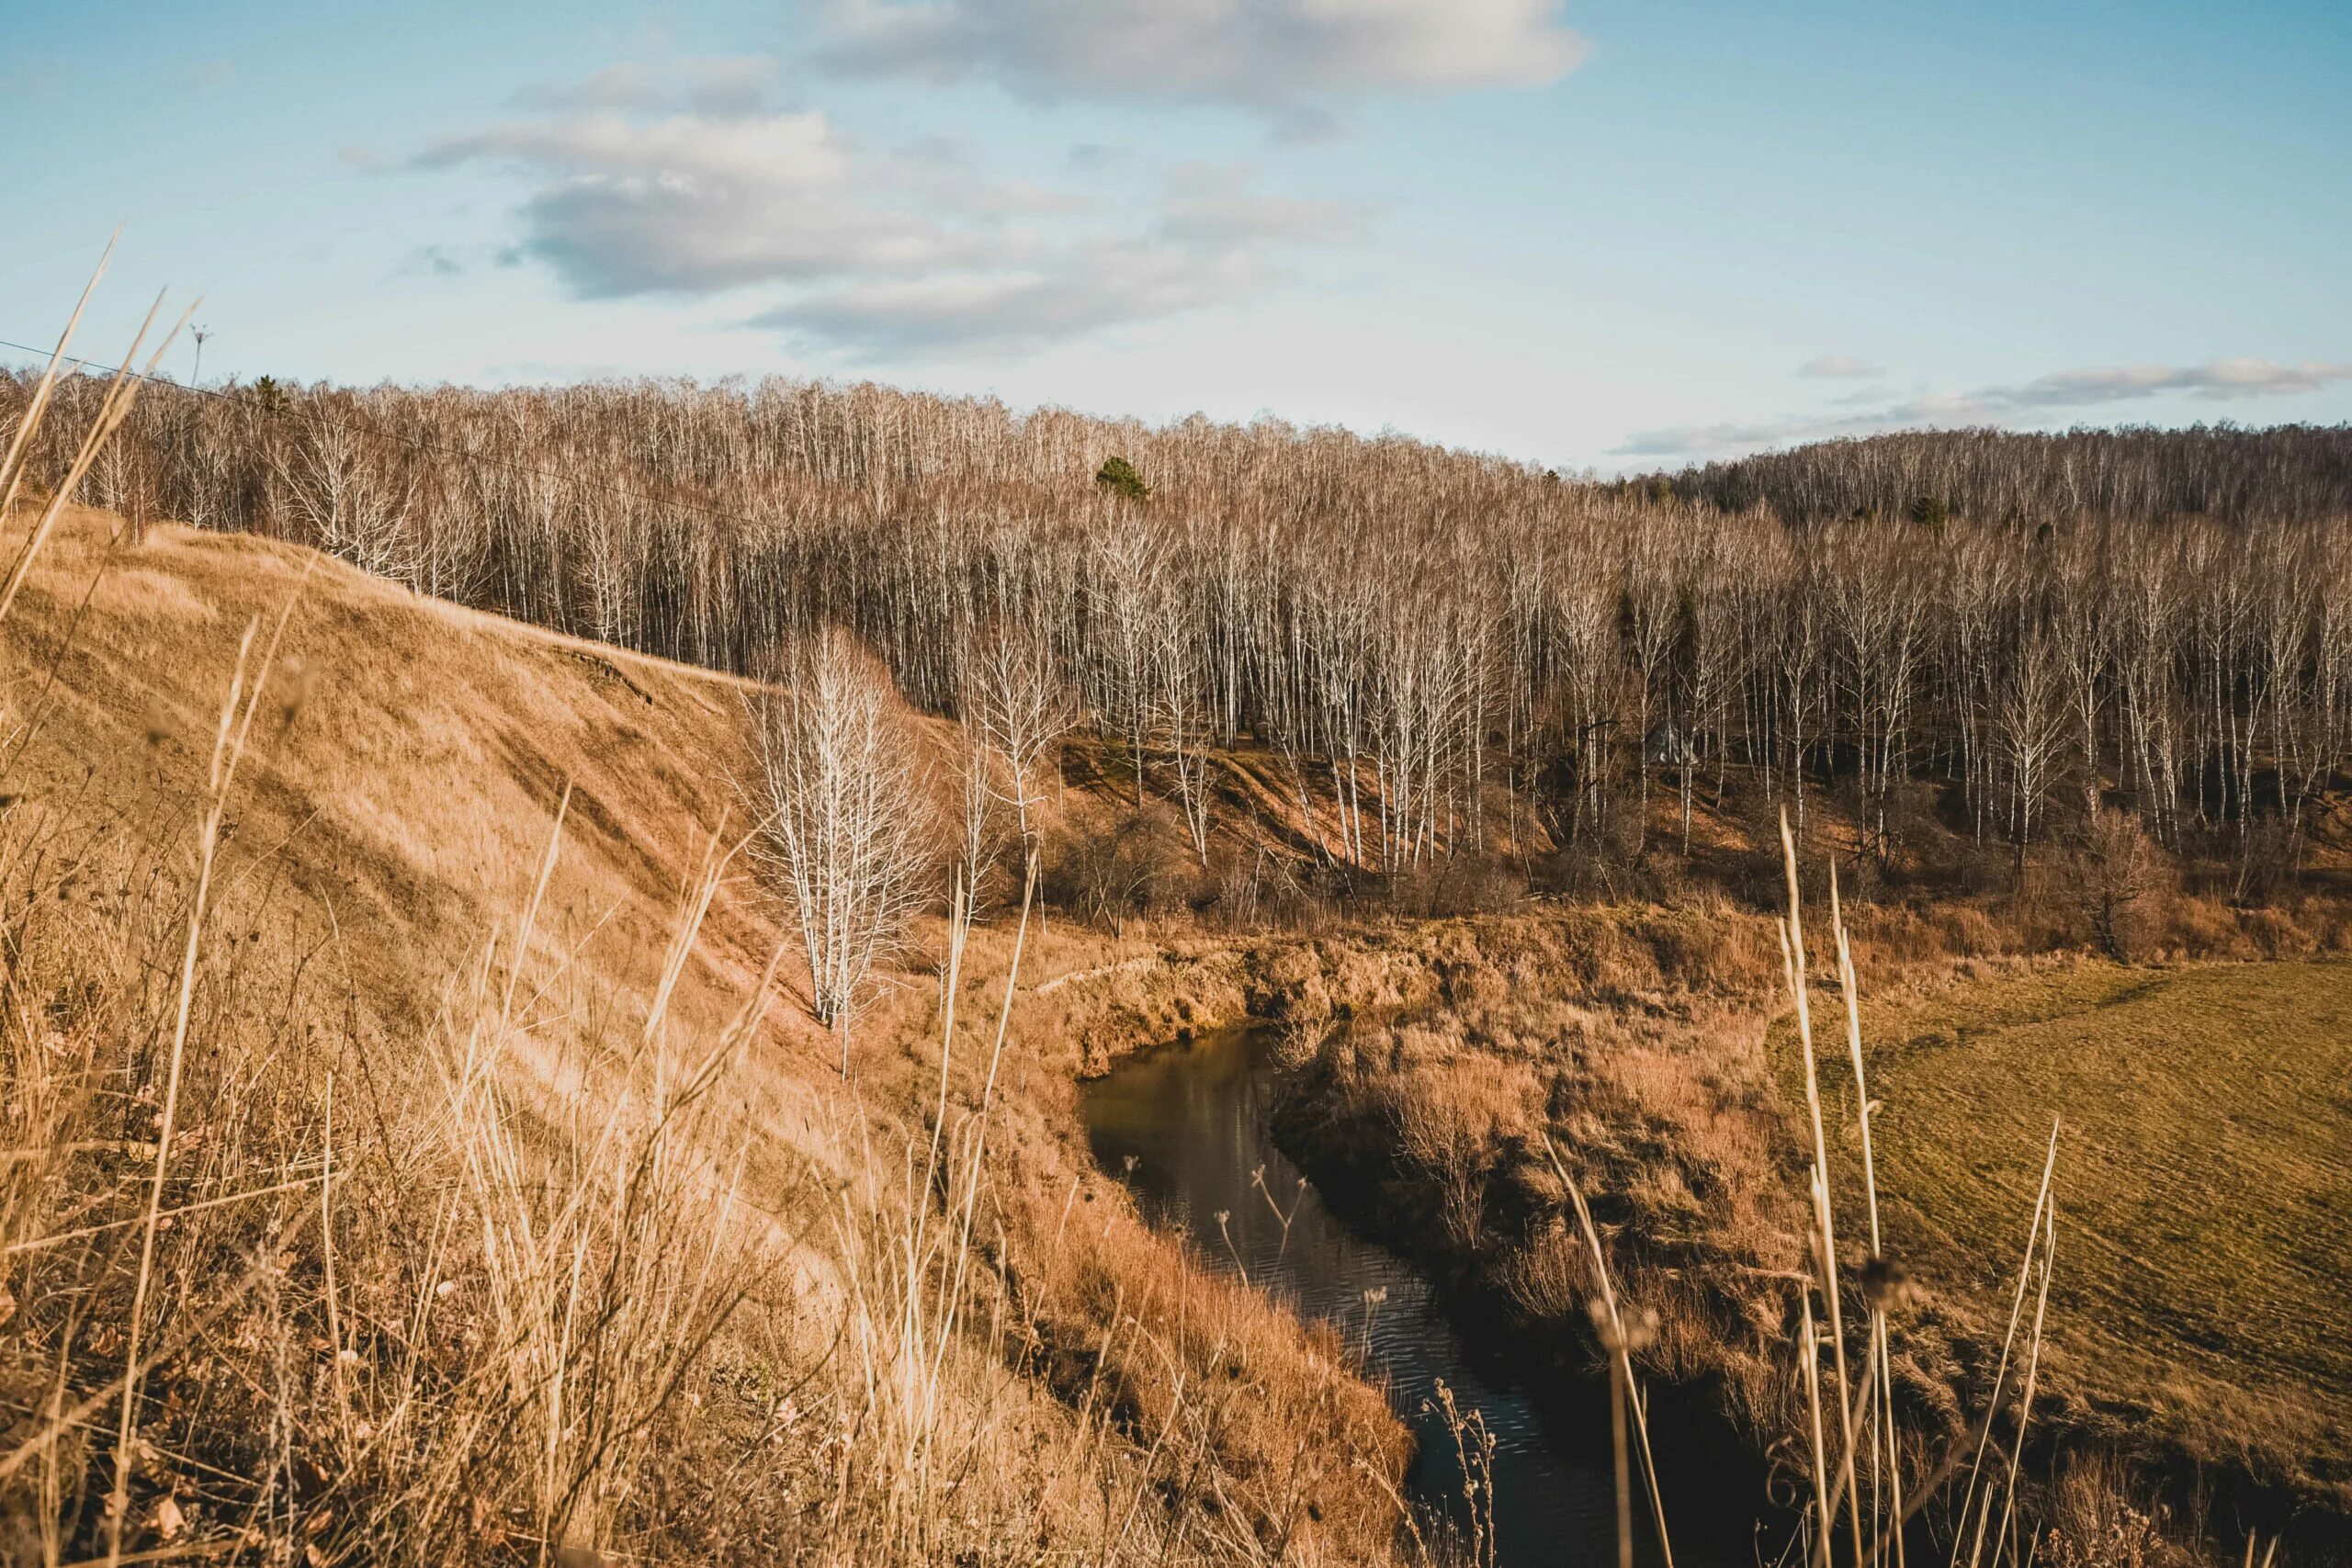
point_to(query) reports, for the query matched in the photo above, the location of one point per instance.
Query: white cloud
(1840, 368)
(1281, 56)
(1217, 242)
(791, 150)
(692, 204)
(2216, 380)
(1214, 205)
(634, 190)
(1089, 289)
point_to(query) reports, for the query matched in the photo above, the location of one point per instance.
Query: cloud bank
(1281, 56)
(688, 185)
(2216, 380)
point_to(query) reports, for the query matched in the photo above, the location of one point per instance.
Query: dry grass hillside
(442, 1198)
(405, 769)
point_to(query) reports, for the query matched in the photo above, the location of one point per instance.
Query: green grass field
(2203, 1293)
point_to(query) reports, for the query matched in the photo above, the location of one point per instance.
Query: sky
(1617, 236)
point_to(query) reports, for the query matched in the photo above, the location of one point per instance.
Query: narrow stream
(1192, 1118)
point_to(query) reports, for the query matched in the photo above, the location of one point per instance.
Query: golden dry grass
(519, 1250)
(1069, 1383)
(2206, 1201)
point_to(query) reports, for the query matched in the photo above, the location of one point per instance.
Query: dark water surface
(1193, 1119)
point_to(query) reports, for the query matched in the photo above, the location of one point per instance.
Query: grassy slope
(406, 771)
(388, 822)
(2204, 1184)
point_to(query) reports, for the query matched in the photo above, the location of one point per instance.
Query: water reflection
(1188, 1126)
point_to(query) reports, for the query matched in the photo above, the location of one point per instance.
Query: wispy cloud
(1088, 289)
(688, 183)
(1285, 57)
(1217, 242)
(2216, 380)
(1840, 368)
(715, 84)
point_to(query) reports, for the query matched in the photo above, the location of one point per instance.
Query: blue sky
(1617, 235)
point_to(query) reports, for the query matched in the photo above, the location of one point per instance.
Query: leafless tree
(847, 816)
(2030, 721)
(1402, 626)
(1654, 624)
(1021, 708)
(353, 507)
(1125, 600)
(1181, 715)
(977, 796)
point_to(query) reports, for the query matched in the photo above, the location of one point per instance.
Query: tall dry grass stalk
(1619, 1338)
(235, 728)
(113, 409)
(1856, 1449)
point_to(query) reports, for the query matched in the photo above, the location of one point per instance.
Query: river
(1187, 1126)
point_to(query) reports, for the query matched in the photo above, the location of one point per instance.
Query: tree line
(1440, 652)
(2283, 472)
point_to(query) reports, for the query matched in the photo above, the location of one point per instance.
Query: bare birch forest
(1445, 652)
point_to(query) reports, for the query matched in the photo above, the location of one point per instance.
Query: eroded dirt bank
(1430, 1064)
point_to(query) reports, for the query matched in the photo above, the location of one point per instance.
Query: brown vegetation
(423, 1146)
(504, 1208)
(1473, 1068)
(1434, 655)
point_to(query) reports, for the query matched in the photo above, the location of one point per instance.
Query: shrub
(1108, 874)
(2113, 872)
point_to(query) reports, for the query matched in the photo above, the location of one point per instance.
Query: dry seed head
(1886, 1284)
(1622, 1334)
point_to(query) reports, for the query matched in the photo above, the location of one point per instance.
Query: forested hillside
(1462, 653)
(2224, 471)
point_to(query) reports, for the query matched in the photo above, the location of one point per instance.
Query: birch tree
(847, 828)
(1020, 706)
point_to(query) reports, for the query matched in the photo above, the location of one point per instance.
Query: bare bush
(2115, 869)
(1111, 874)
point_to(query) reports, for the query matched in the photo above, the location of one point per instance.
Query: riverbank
(1188, 1126)
(1671, 1104)
(1427, 1061)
